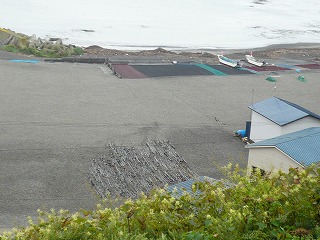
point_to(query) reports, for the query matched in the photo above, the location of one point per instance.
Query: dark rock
(9, 39)
(43, 45)
(59, 42)
(87, 30)
(33, 38)
(53, 39)
(14, 41)
(55, 47)
(32, 45)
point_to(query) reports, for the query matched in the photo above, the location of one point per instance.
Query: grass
(46, 53)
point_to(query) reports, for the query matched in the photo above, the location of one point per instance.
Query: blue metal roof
(178, 189)
(303, 146)
(281, 111)
(302, 109)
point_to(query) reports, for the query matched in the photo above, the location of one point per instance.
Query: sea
(171, 24)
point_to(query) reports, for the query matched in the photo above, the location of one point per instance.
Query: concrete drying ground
(56, 117)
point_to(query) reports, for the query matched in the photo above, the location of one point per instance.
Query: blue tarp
(241, 133)
(24, 61)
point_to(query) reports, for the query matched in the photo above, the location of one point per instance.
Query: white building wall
(270, 159)
(300, 124)
(262, 128)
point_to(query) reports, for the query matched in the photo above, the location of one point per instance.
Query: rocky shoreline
(302, 51)
(54, 47)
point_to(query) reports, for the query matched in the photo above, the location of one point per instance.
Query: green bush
(281, 206)
(10, 48)
(78, 51)
(47, 53)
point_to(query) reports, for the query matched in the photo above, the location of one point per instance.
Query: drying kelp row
(128, 171)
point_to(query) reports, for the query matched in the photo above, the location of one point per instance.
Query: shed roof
(178, 189)
(303, 146)
(281, 111)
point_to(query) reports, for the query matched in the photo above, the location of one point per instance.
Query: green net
(271, 79)
(301, 79)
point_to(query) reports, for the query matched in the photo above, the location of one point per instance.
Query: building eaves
(280, 112)
(302, 146)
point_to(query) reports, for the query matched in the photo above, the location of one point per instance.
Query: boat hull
(229, 62)
(250, 59)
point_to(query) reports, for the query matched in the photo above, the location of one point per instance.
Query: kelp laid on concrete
(128, 171)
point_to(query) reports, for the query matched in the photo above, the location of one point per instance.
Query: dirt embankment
(158, 54)
(309, 52)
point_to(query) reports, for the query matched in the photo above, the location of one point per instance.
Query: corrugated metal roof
(301, 108)
(281, 111)
(303, 146)
(178, 189)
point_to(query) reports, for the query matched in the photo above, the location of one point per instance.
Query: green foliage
(78, 51)
(280, 206)
(10, 48)
(47, 53)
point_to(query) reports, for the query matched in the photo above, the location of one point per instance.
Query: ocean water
(173, 24)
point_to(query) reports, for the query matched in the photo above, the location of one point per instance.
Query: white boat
(228, 61)
(253, 61)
